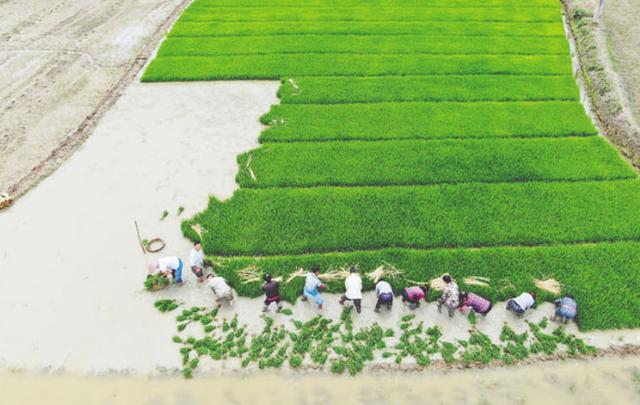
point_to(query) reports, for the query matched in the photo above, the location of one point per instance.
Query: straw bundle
(250, 274)
(551, 285)
(248, 168)
(386, 270)
(197, 228)
(477, 280)
(438, 283)
(5, 200)
(300, 272)
(339, 273)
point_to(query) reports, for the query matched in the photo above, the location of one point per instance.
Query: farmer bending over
(196, 261)
(169, 266)
(271, 289)
(311, 285)
(450, 296)
(353, 287)
(220, 289)
(384, 292)
(566, 309)
(413, 295)
(474, 302)
(522, 302)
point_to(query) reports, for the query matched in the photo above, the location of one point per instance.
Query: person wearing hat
(170, 266)
(353, 289)
(271, 289)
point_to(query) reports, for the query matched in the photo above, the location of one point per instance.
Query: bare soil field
(62, 64)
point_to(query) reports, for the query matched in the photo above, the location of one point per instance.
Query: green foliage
(286, 311)
(165, 305)
(180, 210)
(164, 215)
(155, 282)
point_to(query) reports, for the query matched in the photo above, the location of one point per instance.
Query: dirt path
(62, 64)
(601, 381)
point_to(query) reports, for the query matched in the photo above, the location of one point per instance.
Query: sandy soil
(620, 22)
(62, 63)
(72, 293)
(602, 381)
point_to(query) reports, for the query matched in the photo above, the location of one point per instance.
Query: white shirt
(524, 300)
(219, 286)
(196, 258)
(383, 288)
(353, 285)
(168, 263)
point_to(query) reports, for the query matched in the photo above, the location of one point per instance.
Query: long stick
(144, 251)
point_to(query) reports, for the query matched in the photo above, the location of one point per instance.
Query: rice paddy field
(433, 136)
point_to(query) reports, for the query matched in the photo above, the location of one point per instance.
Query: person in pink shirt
(474, 302)
(413, 295)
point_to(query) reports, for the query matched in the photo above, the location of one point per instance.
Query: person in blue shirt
(566, 309)
(312, 285)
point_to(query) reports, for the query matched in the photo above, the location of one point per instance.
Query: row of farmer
(451, 299)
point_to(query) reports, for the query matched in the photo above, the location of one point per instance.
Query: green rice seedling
(425, 14)
(209, 328)
(449, 29)
(422, 162)
(286, 311)
(543, 323)
(295, 361)
(363, 44)
(164, 215)
(155, 282)
(535, 4)
(187, 372)
(424, 120)
(338, 366)
(274, 67)
(473, 319)
(177, 339)
(180, 210)
(166, 305)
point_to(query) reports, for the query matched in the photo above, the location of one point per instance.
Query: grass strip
(276, 66)
(603, 277)
(202, 46)
(325, 219)
(305, 122)
(460, 14)
(443, 28)
(377, 3)
(327, 90)
(306, 164)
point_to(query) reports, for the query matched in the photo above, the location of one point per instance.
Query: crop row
(305, 164)
(302, 122)
(443, 28)
(377, 3)
(603, 277)
(276, 66)
(325, 219)
(229, 45)
(329, 90)
(425, 14)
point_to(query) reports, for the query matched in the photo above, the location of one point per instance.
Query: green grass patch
(401, 14)
(206, 29)
(331, 90)
(202, 46)
(271, 66)
(425, 120)
(305, 164)
(286, 221)
(377, 3)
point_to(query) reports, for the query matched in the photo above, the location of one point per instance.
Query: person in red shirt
(473, 302)
(413, 295)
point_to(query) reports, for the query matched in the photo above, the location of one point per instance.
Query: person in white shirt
(384, 293)
(196, 261)
(353, 287)
(170, 266)
(522, 302)
(220, 289)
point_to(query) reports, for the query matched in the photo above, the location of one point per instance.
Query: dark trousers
(384, 299)
(356, 302)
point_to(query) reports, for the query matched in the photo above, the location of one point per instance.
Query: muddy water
(600, 381)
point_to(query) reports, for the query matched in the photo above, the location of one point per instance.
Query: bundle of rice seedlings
(385, 270)
(197, 228)
(300, 272)
(339, 273)
(5, 200)
(477, 280)
(550, 284)
(250, 274)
